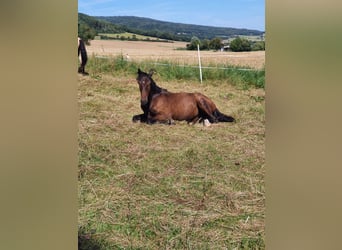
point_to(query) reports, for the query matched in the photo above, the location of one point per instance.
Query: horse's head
(144, 80)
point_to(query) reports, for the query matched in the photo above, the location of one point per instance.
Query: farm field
(167, 187)
(128, 35)
(159, 51)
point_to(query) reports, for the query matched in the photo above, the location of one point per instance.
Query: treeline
(89, 27)
(205, 44)
(158, 37)
(133, 37)
(242, 44)
(160, 34)
(236, 45)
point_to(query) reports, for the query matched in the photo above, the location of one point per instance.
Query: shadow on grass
(88, 241)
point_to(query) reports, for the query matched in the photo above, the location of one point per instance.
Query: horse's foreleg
(159, 118)
(136, 118)
(141, 118)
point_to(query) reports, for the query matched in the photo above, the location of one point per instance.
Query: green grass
(242, 79)
(168, 187)
(128, 35)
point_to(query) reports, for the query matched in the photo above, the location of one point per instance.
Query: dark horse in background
(162, 106)
(84, 57)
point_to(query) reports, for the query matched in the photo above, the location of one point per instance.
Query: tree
(86, 33)
(240, 44)
(134, 37)
(193, 44)
(205, 44)
(216, 43)
(258, 46)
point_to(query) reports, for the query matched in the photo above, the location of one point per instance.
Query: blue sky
(249, 14)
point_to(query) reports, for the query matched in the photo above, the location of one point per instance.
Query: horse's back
(176, 99)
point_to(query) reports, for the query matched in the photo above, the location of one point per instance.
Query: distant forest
(90, 26)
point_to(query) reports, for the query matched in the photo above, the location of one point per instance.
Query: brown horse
(165, 107)
(148, 88)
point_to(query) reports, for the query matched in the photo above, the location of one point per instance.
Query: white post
(199, 62)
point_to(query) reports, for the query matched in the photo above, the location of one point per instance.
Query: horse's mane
(155, 88)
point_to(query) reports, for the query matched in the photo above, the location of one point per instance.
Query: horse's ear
(151, 72)
(139, 71)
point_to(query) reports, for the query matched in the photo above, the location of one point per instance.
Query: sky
(248, 14)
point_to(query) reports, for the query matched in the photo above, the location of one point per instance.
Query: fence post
(199, 61)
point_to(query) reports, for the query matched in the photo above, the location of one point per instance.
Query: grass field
(159, 51)
(128, 35)
(169, 187)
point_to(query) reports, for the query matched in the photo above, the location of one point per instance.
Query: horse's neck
(156, 89)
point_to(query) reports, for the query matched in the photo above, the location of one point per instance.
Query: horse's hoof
(136, 118)
(206, 123)
(171, 122)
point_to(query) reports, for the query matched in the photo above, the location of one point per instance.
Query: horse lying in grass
(162, 106)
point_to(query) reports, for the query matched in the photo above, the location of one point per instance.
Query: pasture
(167, 187)
(175, 52)
(127, 35)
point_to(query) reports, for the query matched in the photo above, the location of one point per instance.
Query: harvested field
(169, 187)
(159, 51)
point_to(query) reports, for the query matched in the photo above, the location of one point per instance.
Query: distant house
(225, 48)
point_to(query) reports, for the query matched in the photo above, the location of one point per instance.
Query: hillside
(156, 28)
(98, 26)
(180, 31)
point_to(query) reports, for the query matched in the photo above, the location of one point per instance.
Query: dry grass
(169, 187)
(159, 51)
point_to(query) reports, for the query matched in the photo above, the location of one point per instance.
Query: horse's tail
(222, 117)
(82, 50)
